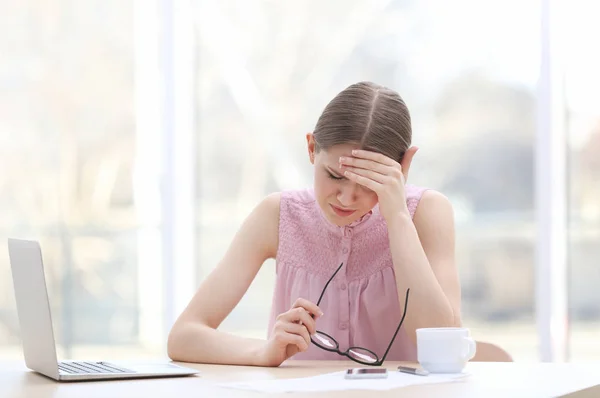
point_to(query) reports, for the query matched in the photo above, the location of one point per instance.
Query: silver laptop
(37, 334)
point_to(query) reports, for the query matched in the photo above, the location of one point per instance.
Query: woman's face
(341, 200)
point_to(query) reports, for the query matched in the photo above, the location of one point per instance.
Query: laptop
(35, 320)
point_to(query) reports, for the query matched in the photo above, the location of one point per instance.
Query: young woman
(375, 253)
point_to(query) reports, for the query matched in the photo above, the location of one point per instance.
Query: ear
(311, 144)
(407, 160)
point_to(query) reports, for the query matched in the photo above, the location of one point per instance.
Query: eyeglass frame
(379, 361)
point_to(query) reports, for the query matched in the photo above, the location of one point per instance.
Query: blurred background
(135, 136)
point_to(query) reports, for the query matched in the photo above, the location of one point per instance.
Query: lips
(342, 212)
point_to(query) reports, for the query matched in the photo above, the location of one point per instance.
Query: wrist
(258, 354)
(399, 223)
(400, 217)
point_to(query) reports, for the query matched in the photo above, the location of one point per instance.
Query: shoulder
(297, 204)
(276, 203)
(268, 208)
(260, 229)
(434, 211)
(282, 212)
(271, 203)
(298, 196)
(433, 198)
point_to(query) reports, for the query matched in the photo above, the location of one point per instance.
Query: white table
(486, 380)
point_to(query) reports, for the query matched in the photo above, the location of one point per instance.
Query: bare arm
(194, 336)
(422, 250)
(423, 255)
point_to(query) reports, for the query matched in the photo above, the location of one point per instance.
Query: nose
(347, 194)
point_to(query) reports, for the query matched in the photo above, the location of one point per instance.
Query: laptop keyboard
(82, 367)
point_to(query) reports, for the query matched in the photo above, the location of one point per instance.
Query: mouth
(342, 212)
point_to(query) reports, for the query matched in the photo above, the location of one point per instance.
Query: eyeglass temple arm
(328, 282)
(397, 330)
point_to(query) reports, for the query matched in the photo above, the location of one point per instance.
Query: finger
(300, 315)
(364, 181)
(300, 330)
(308, 306)
(380, 178)
(285, 338)
(377, 157)
(367, 164)
(407, 160)
(308, 321)
(299, 342)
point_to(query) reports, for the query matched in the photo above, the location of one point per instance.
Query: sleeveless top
(360, 306)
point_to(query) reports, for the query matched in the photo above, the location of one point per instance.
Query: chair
(488, 352)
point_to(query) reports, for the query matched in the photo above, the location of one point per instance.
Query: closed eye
(334, 177)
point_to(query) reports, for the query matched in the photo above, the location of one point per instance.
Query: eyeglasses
(357, 354)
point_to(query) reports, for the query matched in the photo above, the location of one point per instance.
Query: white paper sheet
(337, 382)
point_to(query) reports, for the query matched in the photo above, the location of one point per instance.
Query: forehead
(333, 154)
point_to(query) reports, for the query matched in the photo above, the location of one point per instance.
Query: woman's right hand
(291, 333)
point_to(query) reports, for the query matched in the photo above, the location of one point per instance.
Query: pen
(413, 371)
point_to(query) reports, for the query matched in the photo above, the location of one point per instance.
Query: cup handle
(471, 349)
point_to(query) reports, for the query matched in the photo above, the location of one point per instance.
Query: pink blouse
(360, 306)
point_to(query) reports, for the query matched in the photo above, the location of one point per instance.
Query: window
(582, 86)
(68, 150)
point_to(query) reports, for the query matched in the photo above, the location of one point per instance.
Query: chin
(338, 222)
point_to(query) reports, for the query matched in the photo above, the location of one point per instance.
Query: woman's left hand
(382, 175)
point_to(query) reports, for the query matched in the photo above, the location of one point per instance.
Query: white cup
(444, 350)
